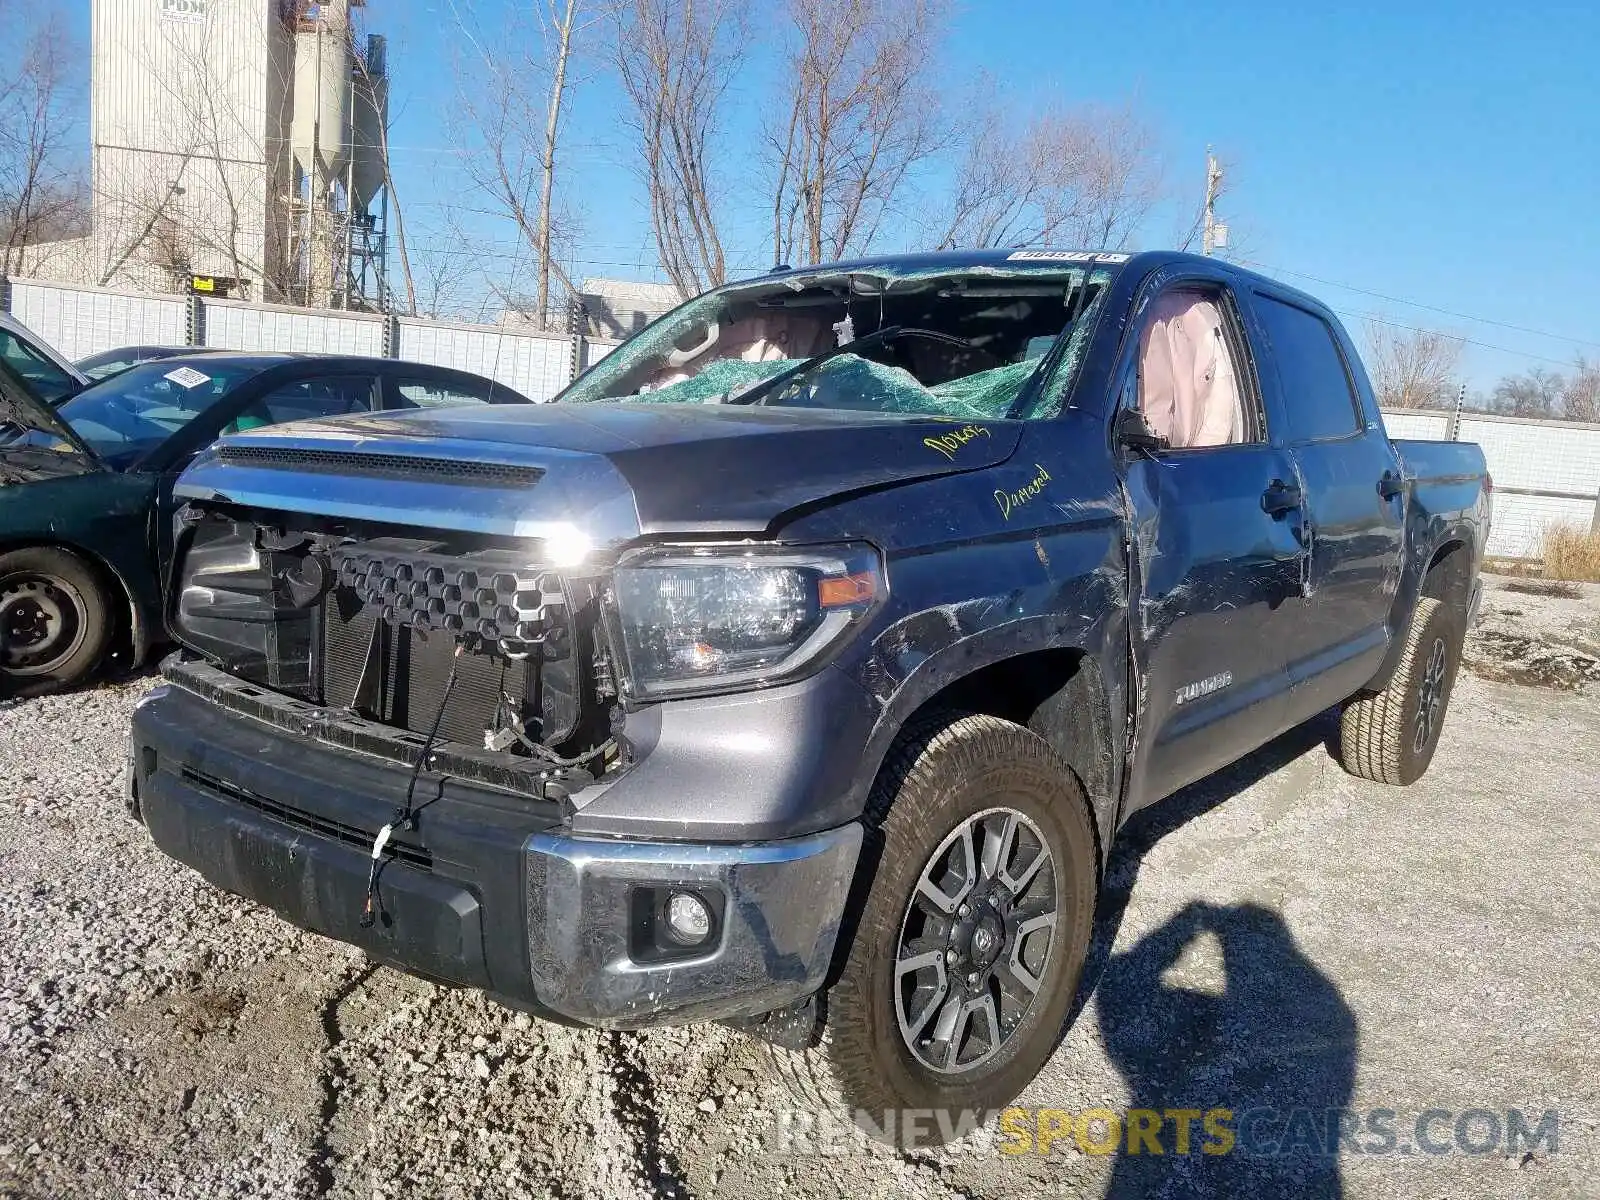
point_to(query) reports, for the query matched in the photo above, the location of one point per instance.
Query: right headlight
(718, 618)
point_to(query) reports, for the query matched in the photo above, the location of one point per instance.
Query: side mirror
(1134, 432)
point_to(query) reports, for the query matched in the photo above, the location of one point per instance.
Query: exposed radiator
(406, 671)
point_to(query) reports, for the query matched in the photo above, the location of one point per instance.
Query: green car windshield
(955, 343)
(127, 416)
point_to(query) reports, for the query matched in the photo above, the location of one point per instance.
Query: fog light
(688, 919)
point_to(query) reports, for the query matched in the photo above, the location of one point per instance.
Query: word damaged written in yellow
(1103, 1131)
(948, 443)
(1010, 501)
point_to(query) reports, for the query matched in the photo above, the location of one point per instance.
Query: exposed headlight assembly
(719, 618)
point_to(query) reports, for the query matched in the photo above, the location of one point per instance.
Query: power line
(1448, 312)
(1376, 319)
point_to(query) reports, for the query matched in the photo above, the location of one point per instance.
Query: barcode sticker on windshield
(188, 377)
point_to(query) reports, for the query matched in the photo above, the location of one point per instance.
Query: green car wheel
(54, 620)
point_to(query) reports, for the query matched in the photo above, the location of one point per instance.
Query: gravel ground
(1280, 935)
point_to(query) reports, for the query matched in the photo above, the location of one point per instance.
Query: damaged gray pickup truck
(797, 667)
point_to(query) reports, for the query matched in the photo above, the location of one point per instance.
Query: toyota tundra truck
(797, 667)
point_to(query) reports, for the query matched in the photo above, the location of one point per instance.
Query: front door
(1217, 549)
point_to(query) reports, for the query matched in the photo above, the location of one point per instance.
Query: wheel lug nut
(964, 910)
(950, 956)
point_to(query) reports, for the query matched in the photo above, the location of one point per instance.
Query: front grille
(389, 465)
(397, 675)
(297, 818)
(497, 601)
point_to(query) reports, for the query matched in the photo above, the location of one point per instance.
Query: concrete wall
(79, 321)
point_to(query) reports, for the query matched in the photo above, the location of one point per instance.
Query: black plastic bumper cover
(489, 891)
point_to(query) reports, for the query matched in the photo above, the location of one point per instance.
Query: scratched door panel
(1214, 577)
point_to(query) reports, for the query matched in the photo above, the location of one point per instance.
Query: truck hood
(596, 473)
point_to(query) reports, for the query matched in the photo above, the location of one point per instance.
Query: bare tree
(42, 188)
(675, 59)
(449, 275)
(1413, 368)
(515, 114)
(1085, 177)
(1580, 397)
(1535, 393)
(859, 116)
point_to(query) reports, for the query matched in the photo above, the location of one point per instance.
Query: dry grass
(1570, 553)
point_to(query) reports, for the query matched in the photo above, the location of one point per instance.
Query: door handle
(1391, 484)
(1281, 497)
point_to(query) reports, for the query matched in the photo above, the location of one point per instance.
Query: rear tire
(965, 807)
(55, 621)
(1390, 736)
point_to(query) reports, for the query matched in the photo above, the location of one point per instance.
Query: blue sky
(1444, 154)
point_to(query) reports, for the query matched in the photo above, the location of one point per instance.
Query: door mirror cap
(1134, 432)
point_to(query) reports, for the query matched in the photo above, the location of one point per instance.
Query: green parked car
(86, 487)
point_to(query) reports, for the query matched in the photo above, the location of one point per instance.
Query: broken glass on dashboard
(963, 344)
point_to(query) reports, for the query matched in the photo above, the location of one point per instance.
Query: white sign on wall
(192, 11)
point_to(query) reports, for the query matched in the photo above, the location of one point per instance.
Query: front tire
(55, 622)
(1390, 736)
(972, 938)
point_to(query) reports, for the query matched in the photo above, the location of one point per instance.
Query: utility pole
(1214, 236)
(1452, 427)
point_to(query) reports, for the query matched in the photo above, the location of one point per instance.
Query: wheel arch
(1446, 574)
(1062, 692)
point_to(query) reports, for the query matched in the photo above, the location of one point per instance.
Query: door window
(440, 393)
(48, 381)
(304, 399)
(1191, 388)
(1318, 400)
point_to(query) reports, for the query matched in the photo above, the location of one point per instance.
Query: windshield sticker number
(1067, 256)
(1014, 500)
(947, 444)
(187, 377)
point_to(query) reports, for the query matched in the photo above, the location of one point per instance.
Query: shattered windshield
(961, 343)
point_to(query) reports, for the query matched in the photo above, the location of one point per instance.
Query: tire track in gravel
(637, 1109)
(319, 1156)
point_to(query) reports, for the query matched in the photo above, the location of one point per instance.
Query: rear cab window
(305, 399)
(1319, 398)
(419, 392)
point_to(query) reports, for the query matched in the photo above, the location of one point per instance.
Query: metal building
(238, 147)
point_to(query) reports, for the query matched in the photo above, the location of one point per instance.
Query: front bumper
(491, 890)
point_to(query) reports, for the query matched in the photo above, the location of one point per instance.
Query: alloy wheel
(975, 941)
(1431, 697)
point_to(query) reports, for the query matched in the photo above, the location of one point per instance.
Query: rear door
(1216, 550)
(1354, 503)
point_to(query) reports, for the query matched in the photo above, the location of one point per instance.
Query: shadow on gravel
(1276, 1045)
